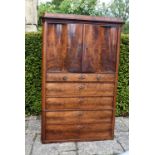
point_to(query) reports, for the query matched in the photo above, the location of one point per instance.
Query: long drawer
(70, 77)
(81, 103)
(80, 117)
(79, 89)
(78, 131)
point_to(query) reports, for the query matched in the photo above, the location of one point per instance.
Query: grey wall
(31, 15)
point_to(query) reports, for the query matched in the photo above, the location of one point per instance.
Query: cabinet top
(82, 18)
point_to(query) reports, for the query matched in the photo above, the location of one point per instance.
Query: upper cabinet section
(82, 44)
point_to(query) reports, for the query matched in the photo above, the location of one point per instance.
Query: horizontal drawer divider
(80, 81)
(77, 96)
(99, 122)
(77, 110)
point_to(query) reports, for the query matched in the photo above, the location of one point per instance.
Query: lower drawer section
(78, 132)
(80, 117)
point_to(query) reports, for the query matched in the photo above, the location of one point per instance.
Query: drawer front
(74, 117)
(79, 89)
(81, 103)
(80, 77)
(78, 131)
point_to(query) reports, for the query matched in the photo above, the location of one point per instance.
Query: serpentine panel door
(79, 77)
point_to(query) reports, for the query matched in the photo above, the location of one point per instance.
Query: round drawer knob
(80, 113)
(81, 87)
(98, 78)
(82, 77)
(80, 127)
(65, 78)
(80, 100)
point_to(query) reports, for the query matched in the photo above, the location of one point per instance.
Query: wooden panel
(79, 89)
(109, 50)
(80, 131)
(74, 47)
(93, 41)
(80, 77)
(99, 53)
(74, 117)
(64, 47)
(56, 47)
(82, 103)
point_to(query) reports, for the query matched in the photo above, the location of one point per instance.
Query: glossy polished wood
(80, 57)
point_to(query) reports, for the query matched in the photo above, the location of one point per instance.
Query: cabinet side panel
(43, 79)
(116, 78)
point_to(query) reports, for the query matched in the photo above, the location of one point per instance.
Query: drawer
(80, 77)
(81, 103)
(78, 131)
(79, 89)
(74, 117)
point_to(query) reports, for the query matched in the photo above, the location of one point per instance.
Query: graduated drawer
(78, 132)
(70, 77)
(74, 117)
(79, 89)
(81, 103)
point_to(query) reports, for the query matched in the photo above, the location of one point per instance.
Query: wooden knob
(80, 100)
(65, 78)
(82, 77)
(80, 126)
(98, 78)
(80, 113)
(81, 87)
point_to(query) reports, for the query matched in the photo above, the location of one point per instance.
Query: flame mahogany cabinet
(80, 60)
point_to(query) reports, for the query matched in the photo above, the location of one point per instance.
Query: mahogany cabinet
(80, 60)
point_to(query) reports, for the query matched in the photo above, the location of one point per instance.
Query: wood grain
(81, 103)
(79, 89)
(80, 131)
(64, 52)
(109, 50)
(93, 40)
(74, 117)
(69, 77)
(75, 18)
(80, 58)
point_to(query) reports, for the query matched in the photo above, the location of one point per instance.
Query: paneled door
(100, 49)
(81, 48)
(64, 49)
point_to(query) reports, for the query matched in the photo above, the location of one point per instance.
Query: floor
(33, 145)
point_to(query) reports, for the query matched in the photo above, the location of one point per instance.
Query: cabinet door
(100, 46)
(64, 47)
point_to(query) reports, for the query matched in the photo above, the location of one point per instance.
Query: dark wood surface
(80, 60)
(82, 17)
